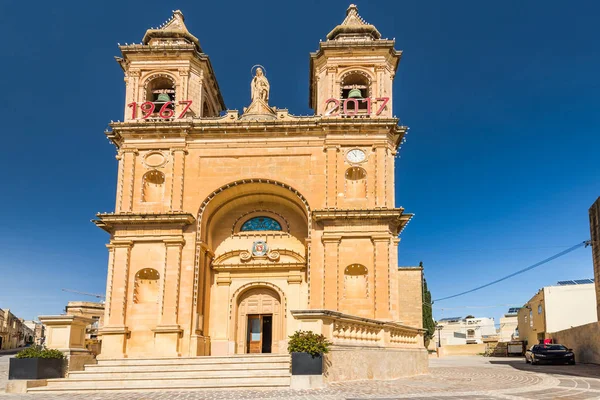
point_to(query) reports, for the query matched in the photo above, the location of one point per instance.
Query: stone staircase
(263, 371)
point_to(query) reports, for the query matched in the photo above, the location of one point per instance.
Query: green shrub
(308, 342)
(40, 352)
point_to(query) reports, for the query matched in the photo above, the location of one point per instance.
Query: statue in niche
(260, 86)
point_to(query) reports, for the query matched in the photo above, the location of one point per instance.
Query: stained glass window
(261, 224)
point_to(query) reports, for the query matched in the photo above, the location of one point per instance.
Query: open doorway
(260, 333)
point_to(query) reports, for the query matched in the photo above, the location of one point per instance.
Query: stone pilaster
(380, 177)
(331, 272)
(115, 332)
(178, 178)
(381, 291)
(331, 183)
(129, 159)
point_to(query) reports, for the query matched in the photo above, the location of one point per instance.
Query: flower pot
(35, 368)
(305, 364)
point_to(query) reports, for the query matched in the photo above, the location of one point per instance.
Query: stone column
(381, 291)
(330, 272)
(115, 332)
(168, 331)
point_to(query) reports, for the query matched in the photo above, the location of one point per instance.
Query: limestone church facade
(232, 230)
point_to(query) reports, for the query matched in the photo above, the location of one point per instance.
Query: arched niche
(146, 286)
(356, 183)
(153, 186)
(356, 284)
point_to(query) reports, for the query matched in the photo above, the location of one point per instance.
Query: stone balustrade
(349, 330)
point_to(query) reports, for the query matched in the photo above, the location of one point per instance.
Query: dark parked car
(549, 353)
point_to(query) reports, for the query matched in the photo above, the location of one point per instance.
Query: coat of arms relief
(259, 250)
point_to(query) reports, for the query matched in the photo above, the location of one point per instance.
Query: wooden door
(254, 333)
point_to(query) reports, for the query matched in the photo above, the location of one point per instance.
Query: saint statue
(260, 86)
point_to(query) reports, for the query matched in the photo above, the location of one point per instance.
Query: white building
(556, 308)
(469, 330)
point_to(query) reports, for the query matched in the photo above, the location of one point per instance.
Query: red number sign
(166, 111)
(341, 107)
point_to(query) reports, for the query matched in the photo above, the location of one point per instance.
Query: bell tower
(352, 72)
(167, 74)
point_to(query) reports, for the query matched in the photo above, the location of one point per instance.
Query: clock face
(356, 156)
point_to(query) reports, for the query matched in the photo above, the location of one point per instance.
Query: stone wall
(462, 349)
(359, 363)
(410, 295)
(583, 340)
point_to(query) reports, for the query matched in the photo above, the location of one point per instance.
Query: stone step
(177, 374)
(197, 360)
(68, 385)
(98, 368)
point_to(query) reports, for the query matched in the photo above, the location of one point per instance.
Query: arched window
(153, 186)
(355, 85)
(261, 224)
(356, 183)
(145, 289)
(159, 91)
(355, 281)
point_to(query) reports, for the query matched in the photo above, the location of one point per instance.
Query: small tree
(428, 323)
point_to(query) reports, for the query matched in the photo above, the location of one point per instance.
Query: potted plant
(307, 349)
(36, 362)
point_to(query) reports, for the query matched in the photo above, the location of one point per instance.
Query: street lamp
(438, 328)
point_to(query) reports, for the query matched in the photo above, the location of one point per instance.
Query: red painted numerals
(148, 108)
(350, 107)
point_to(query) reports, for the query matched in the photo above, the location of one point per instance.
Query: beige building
(14, 332)
(469, 330)
(509, 326)
(38, 330)
(233, 230)
(88, 309)
(555, 308)
(595, 241)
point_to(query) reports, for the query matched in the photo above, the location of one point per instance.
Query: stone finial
(354, 26)
(171, 30)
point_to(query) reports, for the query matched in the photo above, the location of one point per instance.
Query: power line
(494, 306)
(562, 253)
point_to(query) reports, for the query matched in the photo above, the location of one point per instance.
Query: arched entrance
(259, 321)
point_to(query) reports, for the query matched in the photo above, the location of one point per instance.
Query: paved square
(471, 378)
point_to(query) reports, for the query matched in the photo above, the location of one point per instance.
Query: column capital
(179, 149)
(380, 238)
(174, 242)
(120, 243)
(129, 150)
(331, 239)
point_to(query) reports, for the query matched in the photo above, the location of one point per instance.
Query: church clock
(356, 156)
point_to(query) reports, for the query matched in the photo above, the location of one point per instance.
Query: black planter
(305, 364)
(35, 368)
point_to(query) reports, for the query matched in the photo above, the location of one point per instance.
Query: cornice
(109, 221)
(375, 213)
(233, 129)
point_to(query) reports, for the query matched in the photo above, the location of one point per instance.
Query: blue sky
(500, 165)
